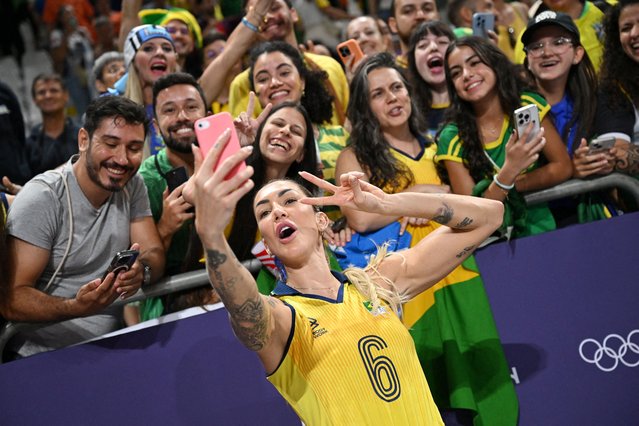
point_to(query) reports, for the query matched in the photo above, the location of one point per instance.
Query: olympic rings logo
(615, 348)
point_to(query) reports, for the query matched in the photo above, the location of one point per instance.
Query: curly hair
(371, 148)
(422, 93)
(582, 87)
(510, 82)
(244, 228)
(618, 71)
(316, 99)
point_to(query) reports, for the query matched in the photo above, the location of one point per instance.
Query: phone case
(209, 129)
(348, 48)
(122, 261)
(524, 116)
(482, 23)
(176, 177)
(601, 144)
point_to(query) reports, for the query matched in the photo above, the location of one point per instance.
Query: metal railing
(581, 186)
(194, 279)
(168, 285)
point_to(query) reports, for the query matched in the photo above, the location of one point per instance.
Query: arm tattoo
(215, 259)
(250, 318)
(444, 214)
(464, 223)
(629, 162)
(465, 251)
(250, 323)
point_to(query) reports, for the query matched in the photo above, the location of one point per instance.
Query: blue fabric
(359, 249)
(561, 114)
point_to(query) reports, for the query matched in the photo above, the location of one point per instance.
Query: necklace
(331, 290)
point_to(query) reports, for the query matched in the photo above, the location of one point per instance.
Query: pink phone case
(209, 129)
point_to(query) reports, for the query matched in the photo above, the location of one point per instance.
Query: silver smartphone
(482, 23)
(598, 145)
(524, 116)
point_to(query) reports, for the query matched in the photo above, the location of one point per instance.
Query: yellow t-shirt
(240, 88)
(345, 365)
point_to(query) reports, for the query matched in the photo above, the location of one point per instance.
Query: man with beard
(178, 101)
(405, 16)
(65, 226)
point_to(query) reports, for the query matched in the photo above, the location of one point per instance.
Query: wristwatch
(146, 280)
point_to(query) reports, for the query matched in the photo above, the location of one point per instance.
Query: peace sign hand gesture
(352, 193)
(246, 126)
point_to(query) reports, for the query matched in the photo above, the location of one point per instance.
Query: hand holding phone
(482, 23)
(524, 116)
(349, 50)
(175, 177)
(122, 261)
(209, 129)
(599, 145)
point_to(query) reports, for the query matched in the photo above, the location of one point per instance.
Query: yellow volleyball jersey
(345, 365)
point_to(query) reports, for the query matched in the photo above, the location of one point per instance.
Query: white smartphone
(482, 23)
(598, 145)
(524, 116)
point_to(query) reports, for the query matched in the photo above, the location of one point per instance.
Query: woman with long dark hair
(277, 73)
(479, 152)
(282, 148)
(619, 85)
(428, 45)
(390, 149)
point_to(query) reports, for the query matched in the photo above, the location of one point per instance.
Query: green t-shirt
(451, 148)
(156, 184)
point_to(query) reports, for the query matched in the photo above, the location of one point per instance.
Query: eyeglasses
(557, 46)
(174, 30)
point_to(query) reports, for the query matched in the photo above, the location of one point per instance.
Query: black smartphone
(122, 261)
(176, 177)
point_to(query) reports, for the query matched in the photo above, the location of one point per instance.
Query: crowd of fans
(429, 108)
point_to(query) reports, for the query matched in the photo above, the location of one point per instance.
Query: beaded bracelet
(250, 25)
(501, 185)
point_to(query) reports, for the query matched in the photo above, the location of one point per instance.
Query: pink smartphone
(208, 129)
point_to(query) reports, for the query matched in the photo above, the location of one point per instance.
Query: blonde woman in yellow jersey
(333, 349)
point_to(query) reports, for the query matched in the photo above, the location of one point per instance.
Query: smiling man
(65, 227)
(178, 101)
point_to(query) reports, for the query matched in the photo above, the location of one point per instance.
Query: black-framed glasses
(557, 46)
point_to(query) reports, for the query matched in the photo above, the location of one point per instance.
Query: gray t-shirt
(40, 216)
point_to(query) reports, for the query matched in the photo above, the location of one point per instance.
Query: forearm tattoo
(249, 318)
(464, 223)
(629, 161)
(444, 214)
(465, 251)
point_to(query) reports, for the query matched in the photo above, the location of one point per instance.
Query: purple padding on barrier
(188, 372)
(549, 294)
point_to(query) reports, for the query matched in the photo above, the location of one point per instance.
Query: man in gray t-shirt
(99, 202)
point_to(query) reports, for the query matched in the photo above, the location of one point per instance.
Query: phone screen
(209, 129)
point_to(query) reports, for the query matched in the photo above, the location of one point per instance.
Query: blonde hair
(367, 281)
(133, 88)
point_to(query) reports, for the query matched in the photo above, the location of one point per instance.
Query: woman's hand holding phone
(521, 154)
(587, 163)
(214, 195)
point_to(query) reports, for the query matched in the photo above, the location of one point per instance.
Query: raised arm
(468, 221)
(261, 323)
(239, 42)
